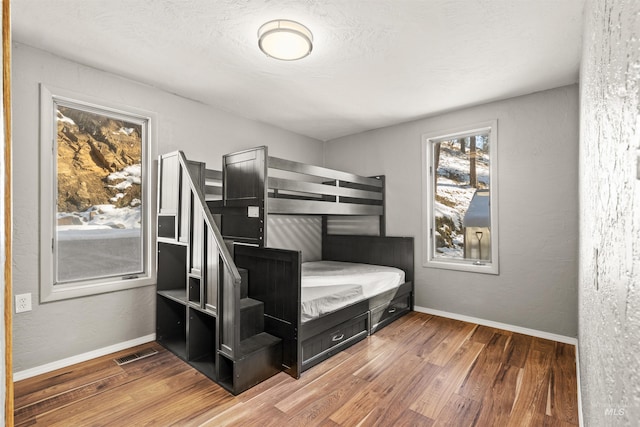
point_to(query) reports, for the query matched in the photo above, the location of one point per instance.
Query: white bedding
(330, 285)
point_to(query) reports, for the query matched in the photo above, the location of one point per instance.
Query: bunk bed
(240, 309)
(364, 279)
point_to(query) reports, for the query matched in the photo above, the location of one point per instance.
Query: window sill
(466, 266)
(77, 290)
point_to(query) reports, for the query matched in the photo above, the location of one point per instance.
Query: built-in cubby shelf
(167, 226)
(177, 295)
(182, 325)
(172, 267)
(201, 342)
(195, 289)
(171, 241)
(225, 372)
(171, 328)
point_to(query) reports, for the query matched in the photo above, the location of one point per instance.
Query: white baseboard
(580, 420)
(505, 326)
(32, 372)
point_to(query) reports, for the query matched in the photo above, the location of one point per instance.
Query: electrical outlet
(23, 303)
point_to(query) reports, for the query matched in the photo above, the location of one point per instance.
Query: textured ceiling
(374, 62)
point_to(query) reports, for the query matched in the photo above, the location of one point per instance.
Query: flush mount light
(285, 40)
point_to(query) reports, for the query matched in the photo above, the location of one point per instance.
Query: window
(96, 229)
(460, 216)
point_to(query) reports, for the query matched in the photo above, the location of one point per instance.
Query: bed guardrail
(337, 193)
(256, 184)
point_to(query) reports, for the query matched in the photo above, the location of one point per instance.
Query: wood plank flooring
(421, 370)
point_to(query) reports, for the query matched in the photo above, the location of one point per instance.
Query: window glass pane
(99, 209)
(461, 207)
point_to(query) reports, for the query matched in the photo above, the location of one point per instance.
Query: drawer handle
(391, 310)
(337, 337)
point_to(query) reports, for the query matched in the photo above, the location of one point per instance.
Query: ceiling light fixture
(285, 40)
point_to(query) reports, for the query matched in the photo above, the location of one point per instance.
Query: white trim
(49, 290)
(43, 369)
(505, 326)
(428, 197)
(580, 419)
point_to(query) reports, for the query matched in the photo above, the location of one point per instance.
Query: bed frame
(256, 185)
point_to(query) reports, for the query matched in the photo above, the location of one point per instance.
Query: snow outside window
(96, 226)
(460, 199)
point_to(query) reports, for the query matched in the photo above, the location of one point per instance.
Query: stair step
(244, 285)
(248, 303)
(257, 343)
(251, 317)
(260, 358)
(213, 191)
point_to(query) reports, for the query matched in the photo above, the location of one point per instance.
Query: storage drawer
(329, 342)
(385, 314)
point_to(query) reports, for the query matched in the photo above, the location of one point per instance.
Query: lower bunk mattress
(328, 286)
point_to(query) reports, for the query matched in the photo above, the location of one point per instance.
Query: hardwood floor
(422, 370)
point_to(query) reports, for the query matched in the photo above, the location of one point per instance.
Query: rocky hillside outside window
(460, 199)
(95, 198)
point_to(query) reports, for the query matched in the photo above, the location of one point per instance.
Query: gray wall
(538, 208)
(57, 330)
(609, 274)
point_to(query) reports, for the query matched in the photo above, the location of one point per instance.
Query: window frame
(50, 97)
(428, 197)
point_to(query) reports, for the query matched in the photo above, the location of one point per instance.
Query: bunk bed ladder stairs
(205, 315)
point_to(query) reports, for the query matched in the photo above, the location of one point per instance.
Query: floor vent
(135, 356)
